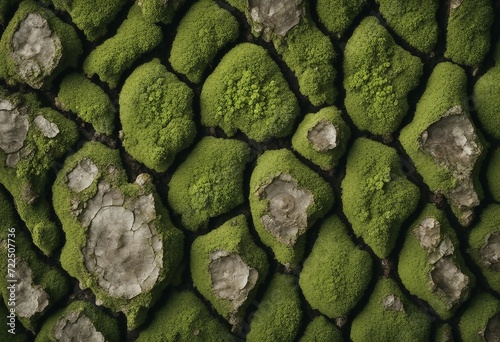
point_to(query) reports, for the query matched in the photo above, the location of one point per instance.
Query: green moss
(240, 5)
(320, 330)
(247, 92)
(91, 16)
(293, 183)
(443, 333)
(336, 274)
(212, 28)
(305, 144)
(417, 263)
(184, 318)
(209, 182)
(484, 235)
(337, 15)
(379, 74)
(159, 11)
(69, 205)
(487, 101)
(103, 323)
(492, 173)
(376, 195)
(279, 314)
(5, 335)
(468, 32)
(87, 100)
(475, 319)
(378, 322)
(134, 38)
(7, 8)
(414, 20)
(233, 237)
(156, 114)
(37, 77)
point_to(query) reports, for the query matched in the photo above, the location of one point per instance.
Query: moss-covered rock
(377, 197)
(209, 182)
(484, 242)
(431, 266)
(468, 31)
(320, 330)
(37, 46)
(322, 137)
(379, 74)
(414, 20)
(286, 198)
(487, 101)
(185, 318)
(443, 333)
(492, 173)
(390, 316)
(86, 99)
(79, 321)
(279, 313)
(481, 321)
(443, 142)
(336, 274)
(32, 138)
(247, 92)
(156, 115)
(120, 242)
(227, 268)
(201, 34)
(91, 16)
(159, 11)
(337, 15)
(135, 37)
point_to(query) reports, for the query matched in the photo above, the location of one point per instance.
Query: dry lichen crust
(121, 243)
(390, 316)
(79, 321)
(443, 142)
(481, 321)
(431, 266)
(36, 46)
(209, 182)
(156, 115)
(248, 92)
(377, 197)
(321, 330)
(379, 74)
(286, 198)
(336, 274)
(31, 139)
(227, 268)
(484, 241)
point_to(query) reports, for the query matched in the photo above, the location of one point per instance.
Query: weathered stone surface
(275, 17)
(492, 332)
(82, 176)
(76, 327)
(323, 136)
(31, 298)
(393, 303)
(451, 280)
(48, 129)
(14, 127)
(490, 252)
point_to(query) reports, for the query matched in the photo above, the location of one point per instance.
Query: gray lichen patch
(428, 233)
(123, 249)
(323, 136)
(36, 50)
(275, 16)
(232, 278)
(286, 218)
(393, 303)
(454, 4)
(76, 327)
(14, 127)
(48, 129)
(31, 298)
(492, 331)
(490, 252)
(451, 280)
(82, 176)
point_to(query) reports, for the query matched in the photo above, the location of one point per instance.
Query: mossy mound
(159, 11)
(337, 15)
(320, 330)
(487, 101)
(492, 173)
(481, 321)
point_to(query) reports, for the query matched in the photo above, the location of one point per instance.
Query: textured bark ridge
(14, 127)
(76, 327)
(323, 136)
(31, 298)
(275, 16)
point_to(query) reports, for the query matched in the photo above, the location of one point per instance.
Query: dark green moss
(492, 173)
(337, 15)
(7, 8)
(5, 335)
(487, 101)
(159, 11)
(443, 333)
(320, 330)
(475, 319)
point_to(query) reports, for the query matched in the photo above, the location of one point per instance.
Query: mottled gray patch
(76, 327)
(48, 129)
(275, 16)
(490, 252)
(31, 298)
(14, 126)
(393, 303)
(323, 136)
(492, 331)
(82, 176)
(449, 279)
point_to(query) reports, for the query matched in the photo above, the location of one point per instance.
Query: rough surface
(323, 136)
(76, 327)
(393, 303)
(82, 176)
(492, 331)
(480, 322)
(14, 128)
(490, 252)
(272, 17)
(451, 280)
(32, 298)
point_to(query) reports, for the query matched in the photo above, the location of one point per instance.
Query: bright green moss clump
(322, 137)
(157, 11)
(414, 20)
(212, 28)
(431, 266)
(279, 313)
(379, 74)
(286, 198)
(227, 268)
(134, 37)
(337, 15)
(390, 316)
(91, 16)
(320, 330)
(487, 101)
(79, 319)
(209, 182)
(184, 318)
(336, 273)
(377, 197)
(28, 55)
(484, 240)
(247, 92)
(492, 175)
(480, 322)
(468, 31)
(87, 100)
(156, 114)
